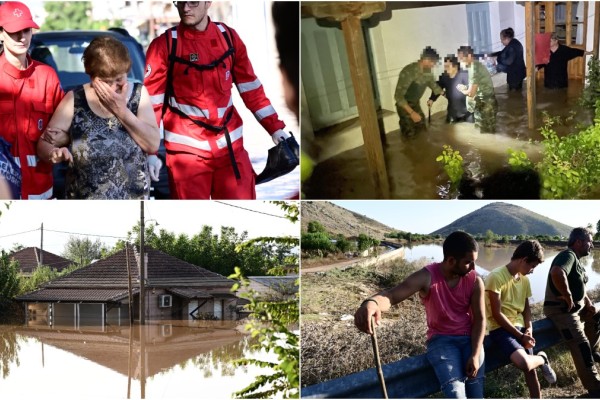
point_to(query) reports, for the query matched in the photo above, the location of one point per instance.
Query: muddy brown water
(170, 359)
(411, 166)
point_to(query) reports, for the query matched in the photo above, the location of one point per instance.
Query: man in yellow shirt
(509, 316)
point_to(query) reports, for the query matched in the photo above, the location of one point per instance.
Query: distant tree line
(318, 242)
(412, 237)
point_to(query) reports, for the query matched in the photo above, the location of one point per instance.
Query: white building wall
(400, 40)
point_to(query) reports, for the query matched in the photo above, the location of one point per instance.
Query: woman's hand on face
(55, 136)
(115, 102)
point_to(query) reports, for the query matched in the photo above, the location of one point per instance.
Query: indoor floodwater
(170, 359)
(489, 258)
(411, 166)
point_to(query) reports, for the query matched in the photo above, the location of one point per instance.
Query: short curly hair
(106, 57)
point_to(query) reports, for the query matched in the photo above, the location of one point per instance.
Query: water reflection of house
(141, 352)
(98, 293)
(30, 258)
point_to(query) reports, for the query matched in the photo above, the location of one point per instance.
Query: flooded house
(275, 287)
(352, 56)
(31, 258)
(99, 294)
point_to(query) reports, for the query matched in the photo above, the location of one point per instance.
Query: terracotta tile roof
(28, 259)
(106, 280)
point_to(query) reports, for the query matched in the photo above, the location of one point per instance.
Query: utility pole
(41, 259)
(142, 268)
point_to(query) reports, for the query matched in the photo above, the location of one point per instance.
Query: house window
(478, 24)
(165, 301)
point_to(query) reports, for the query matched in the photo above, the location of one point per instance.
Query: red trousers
(195, 177)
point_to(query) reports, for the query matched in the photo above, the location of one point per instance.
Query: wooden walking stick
(377, 359)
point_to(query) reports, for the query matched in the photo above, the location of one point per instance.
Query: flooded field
(412, 170)
(172, 359)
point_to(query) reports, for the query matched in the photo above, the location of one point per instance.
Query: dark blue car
(62, 50)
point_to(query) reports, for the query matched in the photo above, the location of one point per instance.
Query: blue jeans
(448, 356)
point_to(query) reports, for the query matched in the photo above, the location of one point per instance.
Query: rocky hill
(506, 219)
(338, 220)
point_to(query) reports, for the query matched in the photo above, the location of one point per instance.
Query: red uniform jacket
(28, 99)
(205, 95)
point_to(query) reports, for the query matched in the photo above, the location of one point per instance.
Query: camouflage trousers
(407, 126)
(485, 111)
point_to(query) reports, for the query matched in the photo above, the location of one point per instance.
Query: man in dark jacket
(510, 60)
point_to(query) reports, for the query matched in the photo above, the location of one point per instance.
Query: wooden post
(568, 24)
(530, 61)
(363, 91)
(349, 14)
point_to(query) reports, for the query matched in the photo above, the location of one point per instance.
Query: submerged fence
(413, 377)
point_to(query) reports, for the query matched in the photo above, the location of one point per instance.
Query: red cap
(15, 16)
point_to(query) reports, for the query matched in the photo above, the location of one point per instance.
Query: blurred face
(465, 59)
(505, 40)
(428, 64)
(193, 13)
(553, 42)
(116, 83)
(465, 264)
(17, 43)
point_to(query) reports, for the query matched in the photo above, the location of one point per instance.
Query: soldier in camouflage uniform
(414, 79)
(481, 99)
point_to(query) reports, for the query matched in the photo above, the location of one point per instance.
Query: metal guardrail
(414, 377)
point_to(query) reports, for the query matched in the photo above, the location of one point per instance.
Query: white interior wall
(400, 40)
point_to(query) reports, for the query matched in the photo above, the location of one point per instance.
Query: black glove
(282, 159)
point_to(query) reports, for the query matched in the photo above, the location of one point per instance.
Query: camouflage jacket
(412, 83)
(480, 76)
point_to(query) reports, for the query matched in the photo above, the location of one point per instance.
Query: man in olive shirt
(568, 306)
(481, 98)
(414, 79)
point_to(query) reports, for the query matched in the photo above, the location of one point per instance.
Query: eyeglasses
(181, 4)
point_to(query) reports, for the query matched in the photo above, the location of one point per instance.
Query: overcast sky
(116, 218)
(426, 216)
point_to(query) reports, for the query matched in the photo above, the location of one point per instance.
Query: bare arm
(478, 329)
(141, 127)
(419, 281)
(59, 124)
(559, 279)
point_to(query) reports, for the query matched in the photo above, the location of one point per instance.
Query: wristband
(368, 300)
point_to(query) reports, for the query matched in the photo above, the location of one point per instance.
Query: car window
(64, 55)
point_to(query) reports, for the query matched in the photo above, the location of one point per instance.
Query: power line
(86, 234)
(19, 233)
(248, 209)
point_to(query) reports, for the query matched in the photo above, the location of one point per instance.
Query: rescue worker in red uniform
(29, 93)
(190, 72)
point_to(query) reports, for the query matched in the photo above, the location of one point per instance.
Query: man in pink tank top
(454, 304)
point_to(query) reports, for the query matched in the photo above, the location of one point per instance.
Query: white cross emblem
(17, 13)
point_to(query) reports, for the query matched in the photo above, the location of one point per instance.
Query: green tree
(215, 252)
(342, 244)
(366, 242)
(70, 15)
(83, 251)
(316, 227)
(505, 239)
(317, 243)
(40, 276)
(9, 278)
(489, 237)
(275, 324)
(597, 236)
